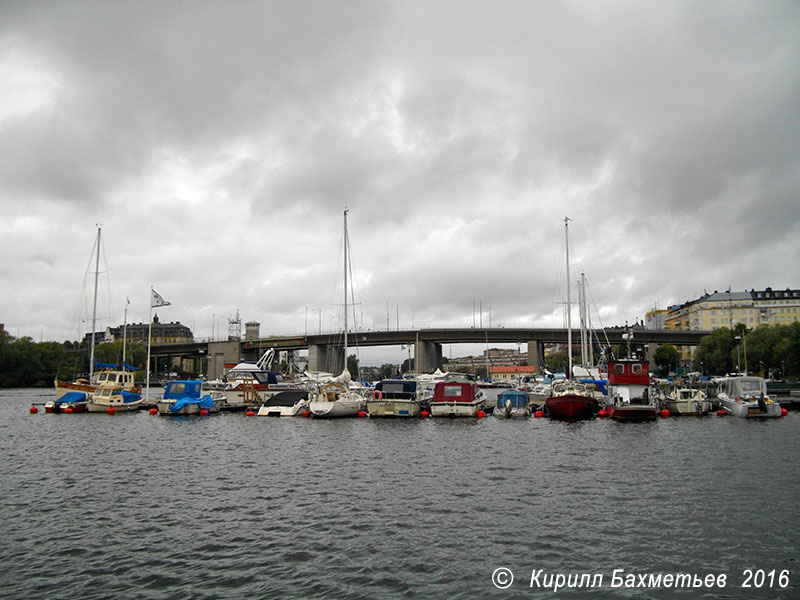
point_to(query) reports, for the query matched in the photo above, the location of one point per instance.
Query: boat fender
(377, 395)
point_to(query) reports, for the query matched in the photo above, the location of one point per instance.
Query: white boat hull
(101, 407)
(455, 409)
(393, 408)
(751, 409)
(337, 408)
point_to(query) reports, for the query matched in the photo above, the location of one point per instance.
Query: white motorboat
(288, 403)
(683, 401)
(747, 397)
(456, 399)
(397, 398)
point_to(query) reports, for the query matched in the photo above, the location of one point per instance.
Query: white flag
(158, 300)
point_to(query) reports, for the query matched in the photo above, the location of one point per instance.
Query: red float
(34, 410)
(480, 414)
(203, 412)
(602, 413)
(784, 412)
(424, 414)
(153, 410)
(664, 413)
(250, 413)
(362, 414)
(110, 410)
(722, 412)
(68, 410)
(306, 413)
(538, 414)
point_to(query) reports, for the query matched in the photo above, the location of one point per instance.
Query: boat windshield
(749, 386)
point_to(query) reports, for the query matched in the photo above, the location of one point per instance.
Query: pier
(325, 349)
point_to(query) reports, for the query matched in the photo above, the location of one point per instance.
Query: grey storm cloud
(218, 143)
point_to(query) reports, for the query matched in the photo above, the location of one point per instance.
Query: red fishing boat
(571, 400)
(629, 391)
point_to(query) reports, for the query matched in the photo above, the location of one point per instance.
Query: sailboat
(570, 399)
(335, 398)
(74, 396)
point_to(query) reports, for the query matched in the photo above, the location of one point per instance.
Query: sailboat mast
(569, 303)
(345, 289)
(94, 302)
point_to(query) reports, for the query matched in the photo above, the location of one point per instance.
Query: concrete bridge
(326, 353)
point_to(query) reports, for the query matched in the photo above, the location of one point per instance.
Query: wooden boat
(185, 397)
(114, 397)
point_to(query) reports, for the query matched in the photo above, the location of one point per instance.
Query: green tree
(715, 351)
(666, 358)
(352, 366)
(558, 361)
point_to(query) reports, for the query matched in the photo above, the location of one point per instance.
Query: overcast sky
(217, 143)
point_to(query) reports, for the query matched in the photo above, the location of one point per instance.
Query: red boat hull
(570, 406)
(77, 407)
(632, 413)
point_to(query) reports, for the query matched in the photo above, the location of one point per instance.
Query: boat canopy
(205, 402)
(600, 384)
(187, 388)
(286, 398)
(454, 391)
(72, 397)
(125, 366)
(519, 399)
(397, 388)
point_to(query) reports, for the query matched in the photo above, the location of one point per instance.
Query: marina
(404, 500)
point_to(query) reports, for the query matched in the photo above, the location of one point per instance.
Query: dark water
(225, 506)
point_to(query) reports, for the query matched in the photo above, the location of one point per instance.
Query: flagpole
(149, 335)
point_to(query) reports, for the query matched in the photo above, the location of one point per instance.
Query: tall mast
(94, 303)
(345, 289)
(569, 302)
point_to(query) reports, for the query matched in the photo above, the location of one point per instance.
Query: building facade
(728, 309)
(162, 333)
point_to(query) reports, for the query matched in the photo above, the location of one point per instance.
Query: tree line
(769, 350)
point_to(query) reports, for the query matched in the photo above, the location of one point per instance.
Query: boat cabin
(629, 372)
(454, 391)
(182, 389)
(743, 387)
(112, 378)
(397, 389)
(518, 399)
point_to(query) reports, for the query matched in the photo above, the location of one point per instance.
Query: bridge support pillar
(219, 355)
(536, 354)
(427, 356)
(317, 357)
(650, 354)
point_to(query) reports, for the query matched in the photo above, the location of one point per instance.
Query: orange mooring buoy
(35, 410)
(203, 412)
(722, 412)
(538, 414)
(784, 412)
(110, 410)
(480, 414)
(153, 410)
(664, 413)
(424, 414)
(249, 413)
(306, 413)
(602, 413)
